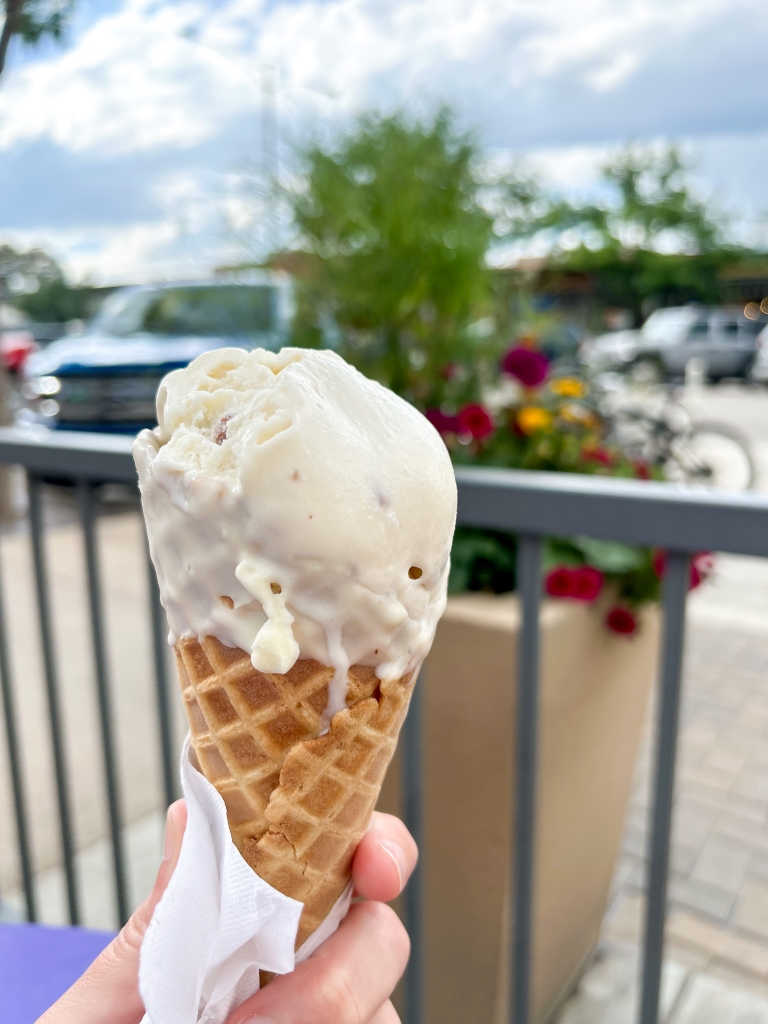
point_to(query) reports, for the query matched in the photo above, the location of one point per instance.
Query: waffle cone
(297, 803)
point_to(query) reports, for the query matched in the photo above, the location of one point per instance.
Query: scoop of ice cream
(297, 509)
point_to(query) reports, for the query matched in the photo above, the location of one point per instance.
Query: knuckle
(131, 935)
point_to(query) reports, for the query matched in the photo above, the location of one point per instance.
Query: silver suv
(723, 339)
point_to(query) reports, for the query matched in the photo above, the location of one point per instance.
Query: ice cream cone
(300, 519)
(297, 803)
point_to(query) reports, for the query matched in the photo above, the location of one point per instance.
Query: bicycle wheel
(712, 455)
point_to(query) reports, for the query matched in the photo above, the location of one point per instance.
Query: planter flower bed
(530, 419)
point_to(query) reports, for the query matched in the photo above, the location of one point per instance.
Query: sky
(130, 153)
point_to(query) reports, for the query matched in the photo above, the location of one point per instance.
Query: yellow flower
(573, 413)
(533, 418)
(568, 387)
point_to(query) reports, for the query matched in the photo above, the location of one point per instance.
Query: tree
(394, 235)
(25, 272)
(651, 240)
(33, 20)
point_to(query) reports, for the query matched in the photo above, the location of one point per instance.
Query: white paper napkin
(218, 923)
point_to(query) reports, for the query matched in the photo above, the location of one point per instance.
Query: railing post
(159, 651)
(524, 815)
(87, 517)
(17, 774)
(52, 693)
(413, 811)
(675, 589)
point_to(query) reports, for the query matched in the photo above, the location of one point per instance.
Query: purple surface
(38, 964)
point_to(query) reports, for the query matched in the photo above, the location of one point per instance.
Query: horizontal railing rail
(533, 505)
(69, 454)
(634, 511)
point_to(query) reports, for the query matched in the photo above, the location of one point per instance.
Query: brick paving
(716, 968)
(719, 856)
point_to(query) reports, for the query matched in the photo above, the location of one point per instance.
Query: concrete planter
(594, 695)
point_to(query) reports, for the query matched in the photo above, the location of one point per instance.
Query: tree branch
(10, 27)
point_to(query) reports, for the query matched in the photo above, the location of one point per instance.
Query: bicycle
(703, 453)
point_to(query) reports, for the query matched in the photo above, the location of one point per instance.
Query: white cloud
(131, 82)
(616, 71)
(181, 81)
(106, 255)
(169, 74)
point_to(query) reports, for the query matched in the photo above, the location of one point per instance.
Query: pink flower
(529, 367)
(702, 564)
(475, 420)
(587, 583)
(598, 454)
(442, 422)
(621, 620)
(560, 582)
(659, 562)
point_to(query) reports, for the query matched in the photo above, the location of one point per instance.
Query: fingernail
(170, 835)
(397, 853)
(257, 1020)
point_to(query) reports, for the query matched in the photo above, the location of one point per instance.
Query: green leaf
(610, 556)
(559, 551)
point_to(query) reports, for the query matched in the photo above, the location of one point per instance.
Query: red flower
(621, 620)
(582, 584)
(529, 367)
(475, 420)
(642, 469)
(597, 454)
(702, 564)
(587, 583)
(442, 422)
(449, 371)
(560, 582)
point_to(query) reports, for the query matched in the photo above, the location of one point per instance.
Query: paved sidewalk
(720, 829)
(689, 995)
(717, 931)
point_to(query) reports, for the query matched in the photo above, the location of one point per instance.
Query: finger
(385, 858)
(348, 979)
(386, 1014)
(108, 992)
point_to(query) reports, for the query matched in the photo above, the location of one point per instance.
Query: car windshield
(668, 325)
(205, 310)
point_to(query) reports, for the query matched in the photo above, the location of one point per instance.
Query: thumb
(108, 992)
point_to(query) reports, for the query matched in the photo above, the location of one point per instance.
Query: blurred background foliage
(395, 223)
(395, 236)
(652, 239)
(33, 20)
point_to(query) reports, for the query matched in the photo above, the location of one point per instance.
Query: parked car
(760, 366)
(724, 339)
(106, 378)
(612, 351)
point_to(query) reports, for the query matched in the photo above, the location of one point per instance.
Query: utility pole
(269, 156)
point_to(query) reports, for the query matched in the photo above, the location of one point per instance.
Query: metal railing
(533, 505)
(88, 461)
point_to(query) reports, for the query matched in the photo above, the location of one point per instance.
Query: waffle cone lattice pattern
(297, 804)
